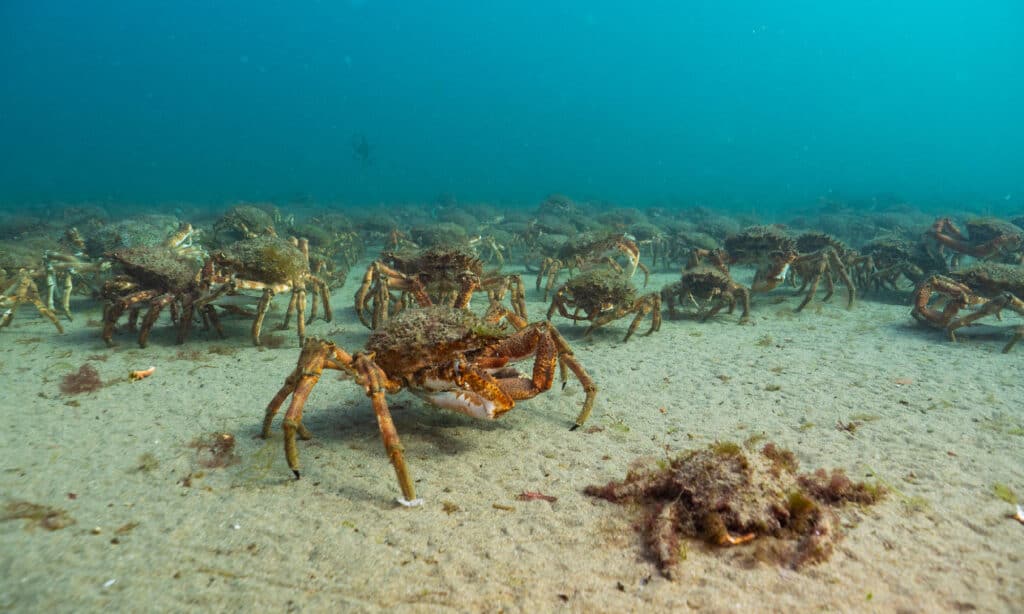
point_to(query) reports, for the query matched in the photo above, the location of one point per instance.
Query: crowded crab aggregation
(443, 298)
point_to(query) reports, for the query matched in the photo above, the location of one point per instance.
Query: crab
(988, 287)
(708, 283)
(888, 259)
(445, 274)
(603, 295)
(272, 265)
(248, 221)
(447, 356)
(822, 255)
(987, 238)
(769, 248)
(588, 250)
(68, 264)
(157, 277)
(24, 290)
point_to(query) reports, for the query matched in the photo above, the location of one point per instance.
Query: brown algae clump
(86, 379)
(215, 450)
(49, 518)
(726, 497)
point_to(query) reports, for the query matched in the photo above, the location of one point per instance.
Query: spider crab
(988, 286)
(823, 256)
(590, 250)
(770, 249)
(24, 290)
(987, 238)
(708, 283)
(603, 295)
(154, 277)
(272, 265)
(447, 356)
(442, 274)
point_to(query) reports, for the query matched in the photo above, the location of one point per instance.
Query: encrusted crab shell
(991, 278)
(267, 259)
(419, 337)
(755, 243)
(597, 288)
(157, 266)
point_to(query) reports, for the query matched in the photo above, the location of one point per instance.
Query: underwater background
(741, 105)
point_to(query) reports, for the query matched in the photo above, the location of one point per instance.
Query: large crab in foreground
(988, 287)
(442, 274)
(601, 295)
(447, 356)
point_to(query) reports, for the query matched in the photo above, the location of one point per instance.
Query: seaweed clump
(726, 497)
(216, 450)
(86, 379)
(37, 515)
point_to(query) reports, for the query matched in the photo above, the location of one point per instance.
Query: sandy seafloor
(248, 537)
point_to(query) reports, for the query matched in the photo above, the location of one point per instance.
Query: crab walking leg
(300, 320)
(649, 305)
(362, 293)
(819, 270)
(377, 384)
(261, 313)
(1017, 336)
(65, 299)
(292, 302)
(46, 312)
(155, 307)
(993, 307)
(589, 387)
(312, 361)
(851, 286)
(325, 296)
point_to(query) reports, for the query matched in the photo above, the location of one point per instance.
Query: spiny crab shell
(157, 267)
(421, 337)
(268, 259)
(600, 288)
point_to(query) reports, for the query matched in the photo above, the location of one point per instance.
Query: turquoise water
(744, 106)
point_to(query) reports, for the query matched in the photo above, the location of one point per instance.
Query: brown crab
(447, 356)
(769, 248)
(601, 295)
(986, 238)
(703, 284)
(588, 250)
(271, 265)
(445, 274)
(823, 256)
(989, 287)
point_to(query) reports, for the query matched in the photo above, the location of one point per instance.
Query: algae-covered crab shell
(157, 267)
(599, 289)
(267, 259)
(417, 338)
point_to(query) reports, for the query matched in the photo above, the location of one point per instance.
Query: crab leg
(261, 313)
(155, 307)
